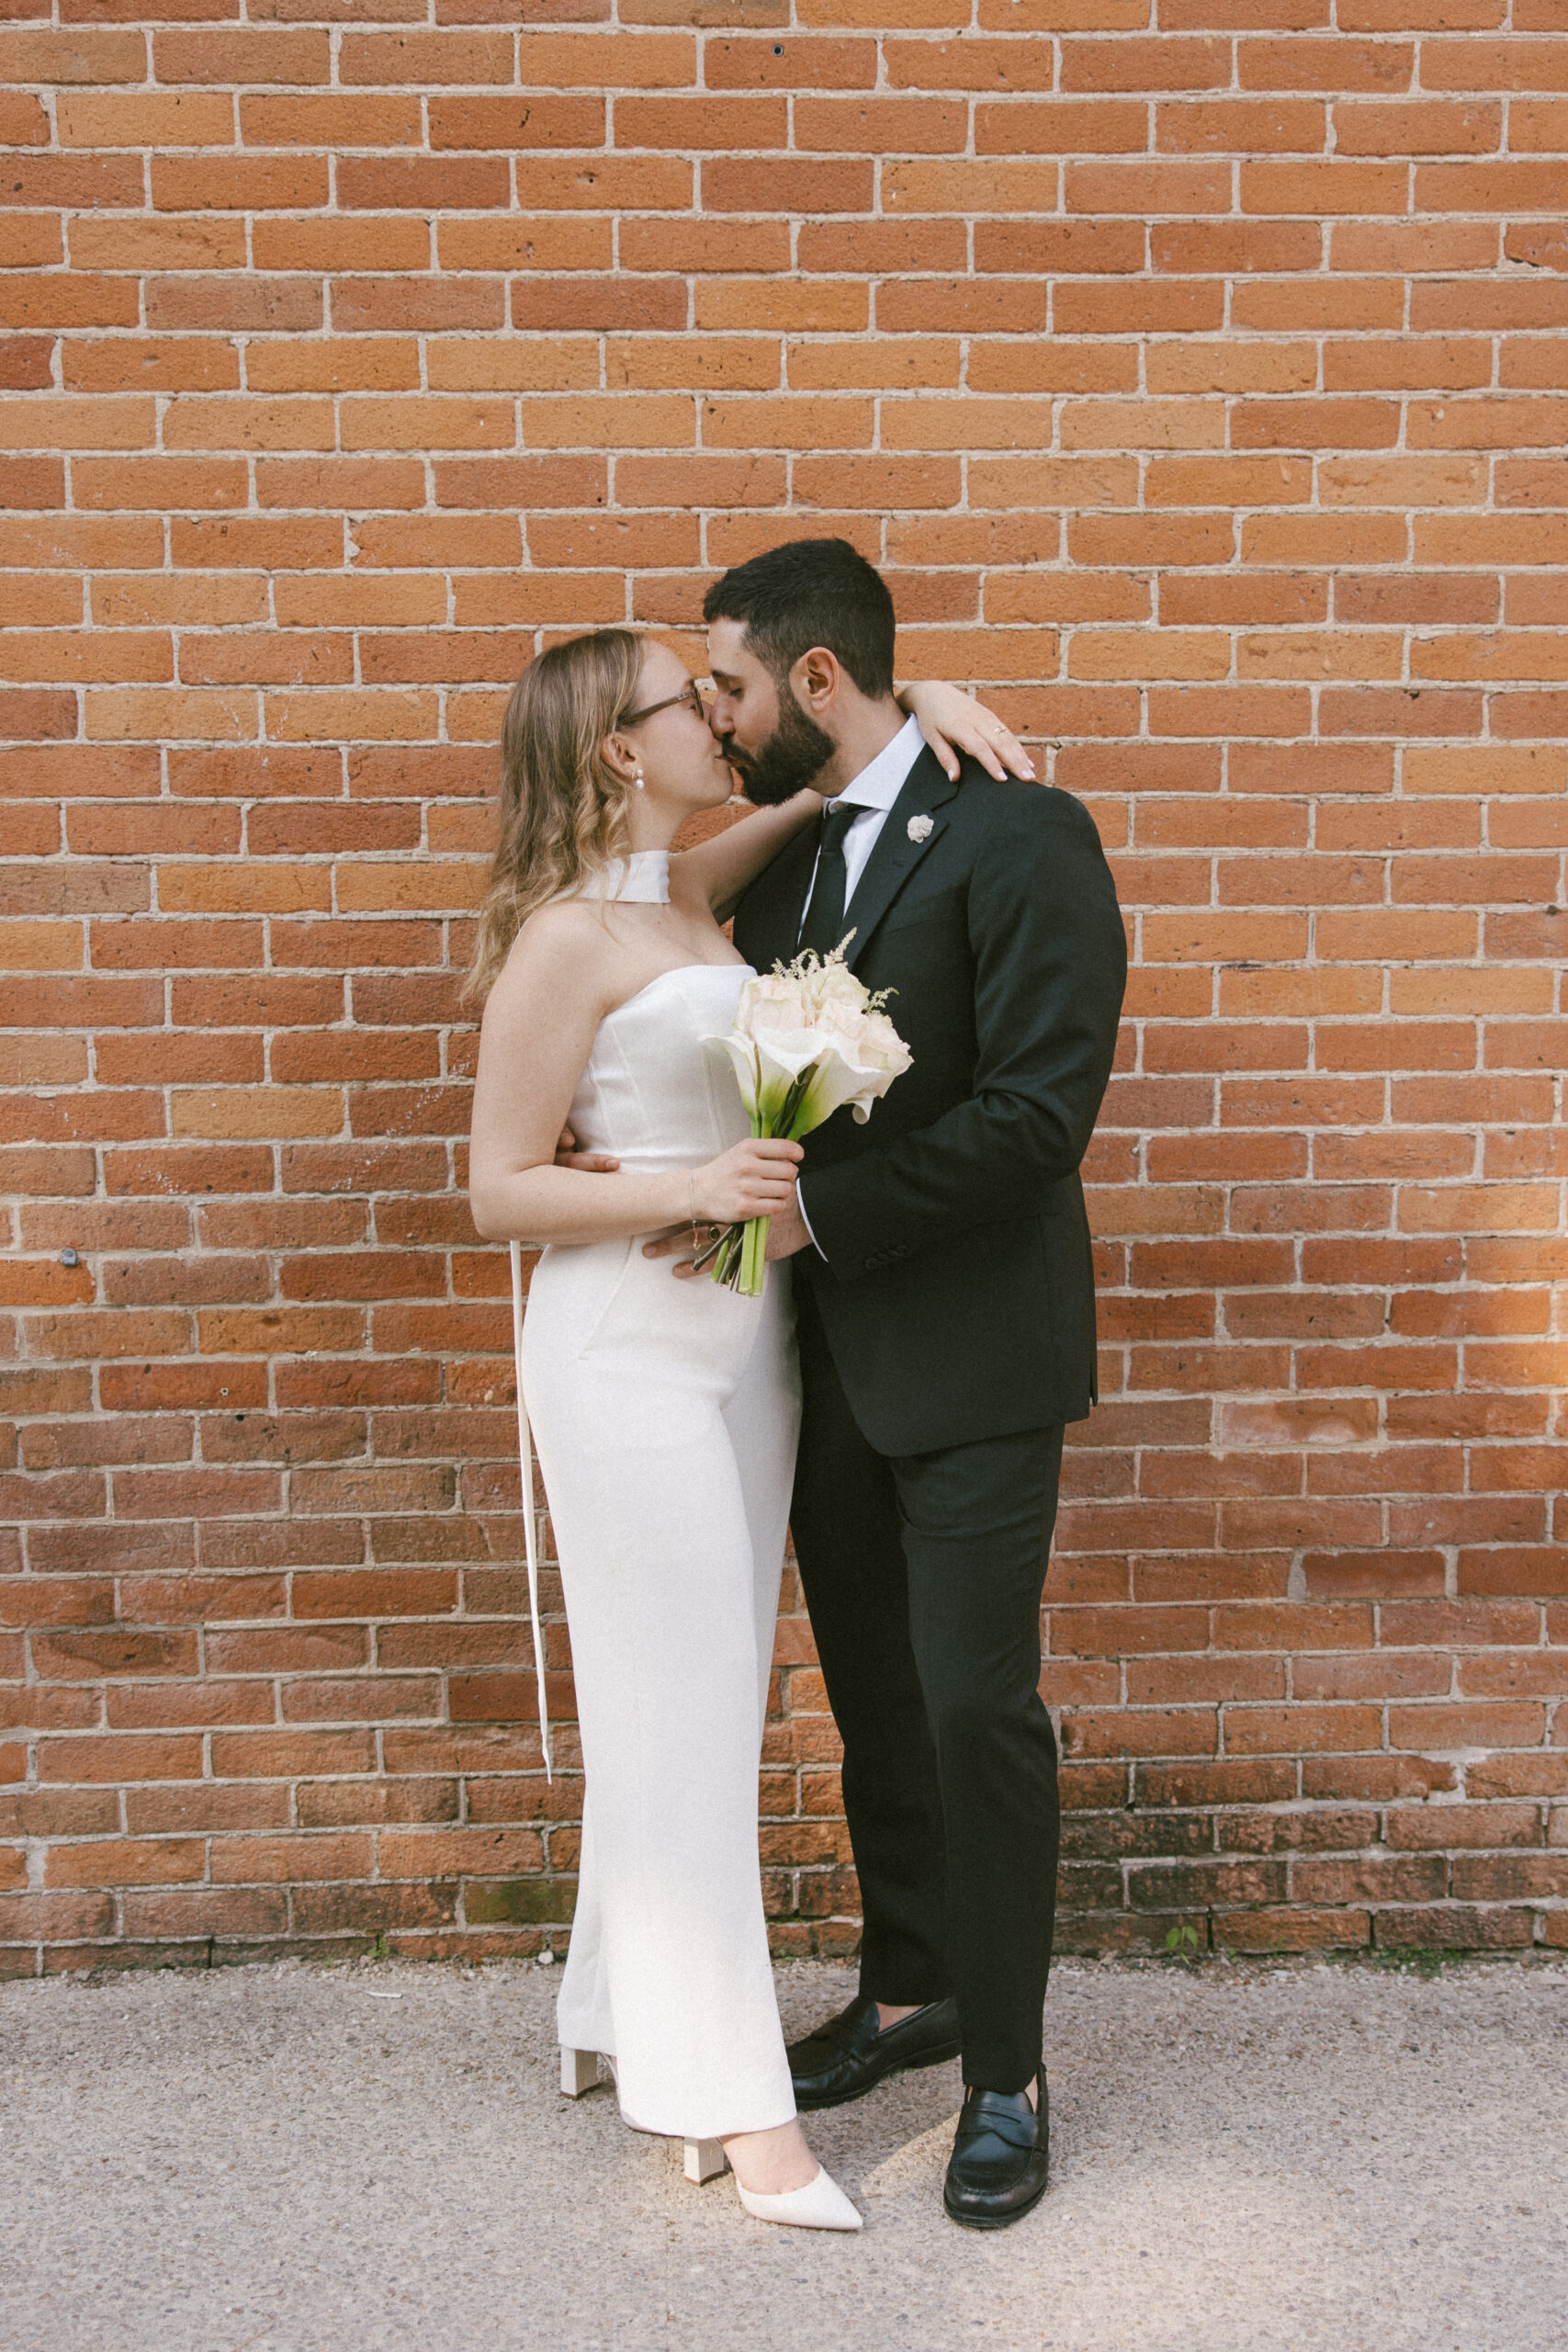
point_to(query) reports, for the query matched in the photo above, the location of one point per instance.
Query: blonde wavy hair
(563, 809)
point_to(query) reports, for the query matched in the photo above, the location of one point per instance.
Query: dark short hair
(812, 591)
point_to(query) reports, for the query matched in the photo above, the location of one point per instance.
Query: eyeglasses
(691, 693)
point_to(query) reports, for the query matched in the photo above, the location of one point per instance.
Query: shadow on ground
(299, 2159)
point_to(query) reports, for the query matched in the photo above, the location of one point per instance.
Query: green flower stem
(749, 1275)
(742, 1260)
(754, 1258)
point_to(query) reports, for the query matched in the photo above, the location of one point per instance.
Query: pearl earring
(637, 780)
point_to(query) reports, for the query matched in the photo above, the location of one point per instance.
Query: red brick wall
(1200, 380)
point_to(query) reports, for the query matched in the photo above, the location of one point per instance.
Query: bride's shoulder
(563, 922)
(562, 948)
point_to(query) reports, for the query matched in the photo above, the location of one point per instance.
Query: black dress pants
(923, 1575)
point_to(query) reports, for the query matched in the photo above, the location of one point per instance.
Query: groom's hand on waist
(595, 1163)
(679, 1246)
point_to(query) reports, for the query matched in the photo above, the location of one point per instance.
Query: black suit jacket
(957, 1294)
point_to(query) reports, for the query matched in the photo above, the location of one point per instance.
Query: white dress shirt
(874, 791)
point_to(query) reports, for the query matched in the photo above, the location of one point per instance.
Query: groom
(945, 1301)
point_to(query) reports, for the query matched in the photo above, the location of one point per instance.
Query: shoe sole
(905, 2066)
(994, 2220)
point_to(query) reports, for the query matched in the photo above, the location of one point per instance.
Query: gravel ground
(300, 2159)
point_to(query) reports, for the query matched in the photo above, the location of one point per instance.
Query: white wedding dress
(665, 1415)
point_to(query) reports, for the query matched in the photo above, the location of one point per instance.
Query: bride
(665, 1412)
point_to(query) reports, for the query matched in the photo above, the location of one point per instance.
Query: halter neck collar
(640, 880)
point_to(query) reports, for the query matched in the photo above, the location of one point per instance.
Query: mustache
(744, 765)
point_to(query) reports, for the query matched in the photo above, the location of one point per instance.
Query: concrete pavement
(375, 2158)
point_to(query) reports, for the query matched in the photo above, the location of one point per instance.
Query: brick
(143, 1861)
(1228, 126)
(1061, 128)
(515, 124)
(241, 56)
(334, 120)
(1261, 1731)
(425, 58)
(661, 184)
(700, 123)
(744, 184)
(238, 184)
(961, 305)
(1165, 64)
(1542, 245)
(813, 63)
(627, 59)
(23, 122)
(73, 55)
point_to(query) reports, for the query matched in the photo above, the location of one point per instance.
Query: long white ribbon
(530, 1517)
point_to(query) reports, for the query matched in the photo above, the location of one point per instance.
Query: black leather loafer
(1001, 2158)
(847, 2057)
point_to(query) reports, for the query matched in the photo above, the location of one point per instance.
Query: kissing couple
(896, 1393)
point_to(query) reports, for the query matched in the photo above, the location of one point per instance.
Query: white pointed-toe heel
(579, 2071)
(705, 2160)
(820, 2205)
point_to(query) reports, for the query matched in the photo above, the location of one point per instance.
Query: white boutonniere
(919, 829)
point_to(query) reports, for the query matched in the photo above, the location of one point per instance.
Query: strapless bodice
(653, 1095)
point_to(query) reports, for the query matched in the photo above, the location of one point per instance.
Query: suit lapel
(898, 852)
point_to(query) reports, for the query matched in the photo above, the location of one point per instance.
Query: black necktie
(824, 925)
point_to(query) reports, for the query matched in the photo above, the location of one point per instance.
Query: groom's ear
(818, 680)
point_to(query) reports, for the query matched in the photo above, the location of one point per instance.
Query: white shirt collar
(879, 784)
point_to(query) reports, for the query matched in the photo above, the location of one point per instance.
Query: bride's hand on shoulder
(954, 723)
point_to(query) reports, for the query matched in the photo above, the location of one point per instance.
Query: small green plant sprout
(1181, 1941)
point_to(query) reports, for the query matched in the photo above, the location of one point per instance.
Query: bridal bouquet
(807, 1038)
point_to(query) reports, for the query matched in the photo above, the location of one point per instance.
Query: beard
(796, 751)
